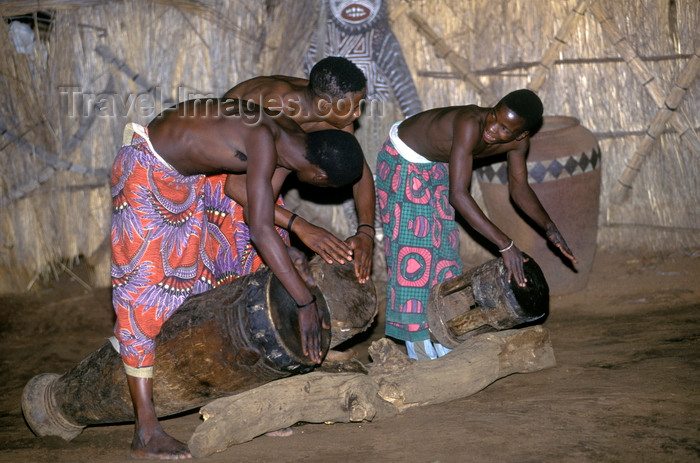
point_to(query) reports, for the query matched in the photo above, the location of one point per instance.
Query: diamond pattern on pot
(545, 171)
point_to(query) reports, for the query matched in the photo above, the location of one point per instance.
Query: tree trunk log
(394, 383)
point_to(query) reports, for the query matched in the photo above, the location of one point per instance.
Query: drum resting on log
(236, 349)
(471, 313)
(236, 337)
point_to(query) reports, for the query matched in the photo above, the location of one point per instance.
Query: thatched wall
(57, 148)
(504, 42)
(131, 59)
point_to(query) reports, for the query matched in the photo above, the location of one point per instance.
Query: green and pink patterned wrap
(421, 238)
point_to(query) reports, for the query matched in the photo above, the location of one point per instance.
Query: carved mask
(355, 16)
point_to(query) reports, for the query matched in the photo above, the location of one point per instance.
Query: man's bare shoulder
(468, 117)
(446, 114)
(266, 86)
(467, 114)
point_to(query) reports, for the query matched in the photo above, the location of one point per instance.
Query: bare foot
(160, 446)
(284, 432)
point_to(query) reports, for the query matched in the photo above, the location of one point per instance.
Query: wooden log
(316, 398)
(466, 370)
(394, 383)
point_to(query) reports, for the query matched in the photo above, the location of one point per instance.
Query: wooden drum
(482, 300)
(236, 337)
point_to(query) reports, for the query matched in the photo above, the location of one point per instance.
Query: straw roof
(92, 66)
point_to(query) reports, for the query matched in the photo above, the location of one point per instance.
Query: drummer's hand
(362, 245)
(301, 263)
(557, 240)
(323, 242)
(310, 325)
(513, 260)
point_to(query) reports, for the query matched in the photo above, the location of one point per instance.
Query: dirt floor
(625, 388)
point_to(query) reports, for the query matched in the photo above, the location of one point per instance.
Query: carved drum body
(482, 300)
(227, 340)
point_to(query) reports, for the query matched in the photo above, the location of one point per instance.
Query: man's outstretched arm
(527, 201)
(467, 134)
(318, 239)
(260, 218)
(362, 242)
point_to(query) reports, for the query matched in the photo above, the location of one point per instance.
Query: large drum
(233, 338)
(564, 170)
(482, 300)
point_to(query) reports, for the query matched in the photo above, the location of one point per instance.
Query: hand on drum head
(310, 327)
(513, 259)
(323, 242)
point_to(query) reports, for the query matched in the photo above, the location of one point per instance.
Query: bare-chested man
(175, 232)
(329, 99)
(423, 175)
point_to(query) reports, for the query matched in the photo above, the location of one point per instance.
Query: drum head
(532, 300)
(283, 315)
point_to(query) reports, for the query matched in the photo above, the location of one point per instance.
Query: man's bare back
(279, 93)
(291, 96)
(213, 136)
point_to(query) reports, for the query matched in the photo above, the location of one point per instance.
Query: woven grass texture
(74, 73)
